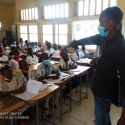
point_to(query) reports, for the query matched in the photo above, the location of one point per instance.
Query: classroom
(62, 62)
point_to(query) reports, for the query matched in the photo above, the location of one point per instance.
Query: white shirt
(6, 86)
(32, 60)
(74, 56)
(13, 64)
(56, 54)
(63, 64)
(7, 51)
(51, 51)
(41, 70)
(81, 54)
(4, 58)
(21, 78)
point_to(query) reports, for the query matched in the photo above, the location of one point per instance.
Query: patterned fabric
(65, 65)
(42, 70)
(21, 79)
(6, 86)
(4, 58)
(13, 64)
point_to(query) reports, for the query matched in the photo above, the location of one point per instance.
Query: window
(24, 32)
(96, 6)
(80, 8)
(82, 29)
(85, 28)
(86, 7)
(48, 33)
(92, 6)
(61, 32)
(33, 33)
(0, 25)
(105, 4)
(56, 11)
(113, 3)
(29, 14)
(29, 32)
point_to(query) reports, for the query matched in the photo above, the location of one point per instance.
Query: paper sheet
(32, 89)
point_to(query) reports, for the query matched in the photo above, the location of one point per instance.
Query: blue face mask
(102, 31)
(46, 62)
(78, 50)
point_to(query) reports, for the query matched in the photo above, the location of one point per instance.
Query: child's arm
(19, 90)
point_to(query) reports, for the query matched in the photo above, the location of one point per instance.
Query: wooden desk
(84, 62)
(40, 96)
(44, 93)
(80, 71)
(61, 83)
(10, 104)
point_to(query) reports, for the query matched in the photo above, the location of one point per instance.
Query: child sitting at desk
(24, 75)
(12, 62)
(43, 71)
(66, 63)
(8, 83)
(31, 58)
(45, 68)
(49, 50)
(72, 52)
(3, 57)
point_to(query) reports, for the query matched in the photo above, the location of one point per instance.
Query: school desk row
(11, 104)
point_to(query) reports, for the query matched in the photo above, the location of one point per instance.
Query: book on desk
(32, 89)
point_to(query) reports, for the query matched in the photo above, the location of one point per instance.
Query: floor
(84, 114)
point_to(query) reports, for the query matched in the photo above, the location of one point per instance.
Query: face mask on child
(46, 62)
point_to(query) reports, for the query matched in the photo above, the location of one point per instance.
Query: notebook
(32, 89)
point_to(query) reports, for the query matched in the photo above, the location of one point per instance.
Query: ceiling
(8, 1)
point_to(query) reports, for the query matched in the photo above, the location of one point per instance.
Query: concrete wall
(7, 17)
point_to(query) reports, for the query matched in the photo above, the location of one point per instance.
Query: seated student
(24, 75)
(73, 54)
(81, 52)
(56, 54)
(8, 83)
(55, 47)
(66, 63)
(12, 62)
(45, 68)
(7, 50)
(3, 57)
(43, 71)
(31, 59)
(16, 53)
(26, 44)
(49, 50)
